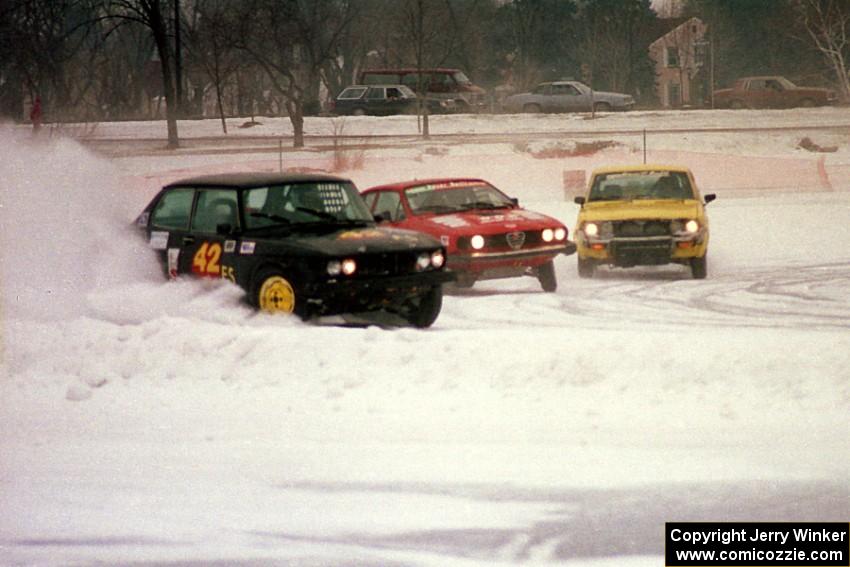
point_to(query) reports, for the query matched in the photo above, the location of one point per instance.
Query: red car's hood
(487, 222)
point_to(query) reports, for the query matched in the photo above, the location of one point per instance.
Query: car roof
(385, 85)
(418, 182)
(640, 168)
(253, 179)
(412, 70)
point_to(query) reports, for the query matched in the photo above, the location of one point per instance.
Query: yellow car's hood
(642, 209)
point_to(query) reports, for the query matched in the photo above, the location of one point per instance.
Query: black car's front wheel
(423, 310)
(273, 292)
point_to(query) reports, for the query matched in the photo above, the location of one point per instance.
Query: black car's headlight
(346, 267)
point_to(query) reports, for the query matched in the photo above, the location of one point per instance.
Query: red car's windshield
(455, 196)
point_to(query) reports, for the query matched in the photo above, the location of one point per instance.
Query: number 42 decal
(206, 260)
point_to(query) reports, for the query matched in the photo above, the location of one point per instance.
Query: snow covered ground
(155, 423)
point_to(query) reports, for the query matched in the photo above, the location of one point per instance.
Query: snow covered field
(155, 423)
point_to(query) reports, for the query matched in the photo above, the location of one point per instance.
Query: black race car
(302, 244)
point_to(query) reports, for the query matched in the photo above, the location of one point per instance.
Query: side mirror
(515, 201)
(709, 198)
(579, 201)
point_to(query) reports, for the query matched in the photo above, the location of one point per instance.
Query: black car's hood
(349, 241)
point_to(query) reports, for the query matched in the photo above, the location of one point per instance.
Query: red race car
(486, 233)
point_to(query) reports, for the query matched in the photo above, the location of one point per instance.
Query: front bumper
(484, 260)
(643, 251)
(359, 295)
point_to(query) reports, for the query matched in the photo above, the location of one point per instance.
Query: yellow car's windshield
(631, 185)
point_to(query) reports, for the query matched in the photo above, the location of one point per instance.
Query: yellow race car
(642, 215)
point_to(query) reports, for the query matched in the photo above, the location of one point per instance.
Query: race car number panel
(206, 261)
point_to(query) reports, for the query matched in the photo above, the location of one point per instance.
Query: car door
(214, 218)
(376, 100)
(169, 226)
(570, 99)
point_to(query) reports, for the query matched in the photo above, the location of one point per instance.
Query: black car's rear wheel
(422, 311)
(546, 277)
(273, 292)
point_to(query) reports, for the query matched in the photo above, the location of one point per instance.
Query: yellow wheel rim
(277, 295)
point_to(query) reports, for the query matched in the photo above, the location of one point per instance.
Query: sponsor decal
(173, 258)
(531, 215)
(229, 246)
(247, 247)
(451, 221)
(360, 234)
(228, 273)
(159, 240)
(444, 240)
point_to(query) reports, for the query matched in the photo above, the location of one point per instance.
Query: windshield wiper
(281, 221)
(317, 214)
(483, 205)
(437, 209)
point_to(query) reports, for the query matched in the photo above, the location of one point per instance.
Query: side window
(375, 93)
(389, 205)
(393, 93)
(370, 201)
(172, 210)
(215, 207)
(544, 89)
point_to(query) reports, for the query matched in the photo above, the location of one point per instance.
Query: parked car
(449, 90)
(641, 215)
(302, 244)
(567, 96)
(771, 92)
(486, 233)
(380, 100)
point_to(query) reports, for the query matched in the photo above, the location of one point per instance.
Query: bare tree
(211, 42)
(827, 23)
(152, 14)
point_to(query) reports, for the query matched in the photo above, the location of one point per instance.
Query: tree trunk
(161, 38)
(296, 116)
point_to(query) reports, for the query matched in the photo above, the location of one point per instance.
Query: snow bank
(64, 222)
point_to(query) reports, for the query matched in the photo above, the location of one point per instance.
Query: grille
(636, 229)
(386, 264)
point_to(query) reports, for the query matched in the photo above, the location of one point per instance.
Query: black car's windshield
(455, 196)
(304, 203)
(630, 185)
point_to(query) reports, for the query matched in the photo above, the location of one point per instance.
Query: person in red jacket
(36, 115)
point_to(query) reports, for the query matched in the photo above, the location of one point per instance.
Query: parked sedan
(381, 100)
(567, 96)
(487, 234)
(771, 92)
